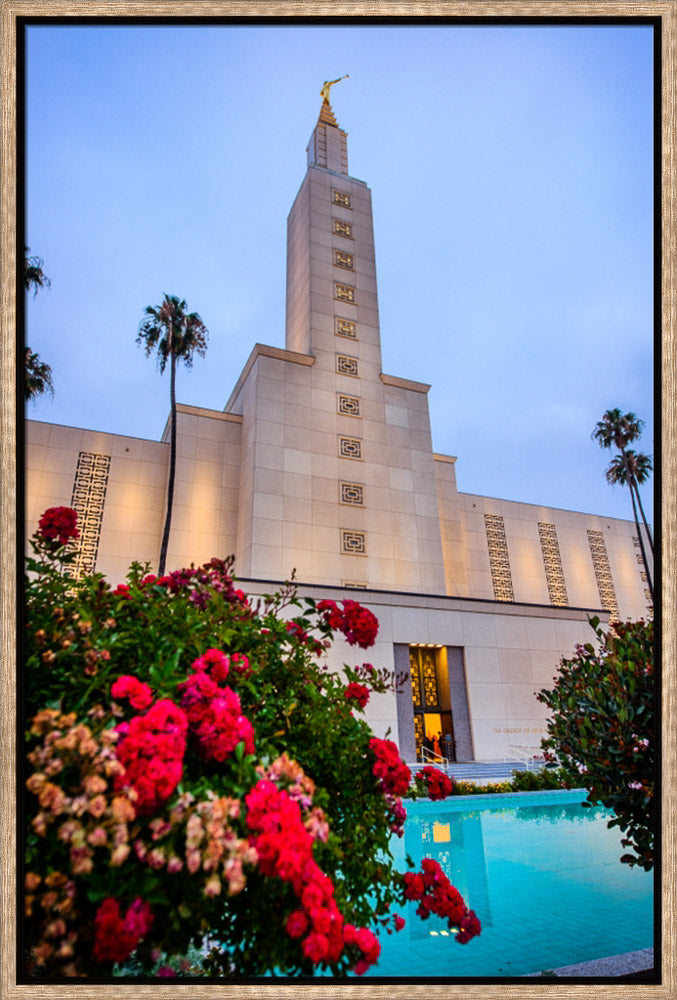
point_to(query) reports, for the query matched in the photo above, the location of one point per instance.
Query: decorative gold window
(499, 561)
(341, 198)
(352, 494)
(345, 327)
(345, 365)
(342, 228)
(349, 406)
(353, 543)
(552, 560)
(342, 259)
(605, 583)
(344, 293)
(88, 497)
(350, 448)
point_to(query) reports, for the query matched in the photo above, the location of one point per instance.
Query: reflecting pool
(543, 875)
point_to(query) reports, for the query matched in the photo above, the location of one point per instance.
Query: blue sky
(511, 175)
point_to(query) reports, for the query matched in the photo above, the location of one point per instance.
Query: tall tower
(337, 475)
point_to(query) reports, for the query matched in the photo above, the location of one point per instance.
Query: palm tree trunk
(641, 543)
(172, 463)
(641, 510)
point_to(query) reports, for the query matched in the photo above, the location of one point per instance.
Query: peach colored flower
(119, 855)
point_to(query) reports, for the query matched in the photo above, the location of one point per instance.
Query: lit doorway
(431, 697)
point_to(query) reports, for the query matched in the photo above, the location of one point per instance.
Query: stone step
(478, 771)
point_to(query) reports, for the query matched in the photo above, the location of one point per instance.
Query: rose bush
(199, 781)
(602, 729)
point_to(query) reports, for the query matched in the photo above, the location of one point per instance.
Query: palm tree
(629, 468)
(37, 376)
(37, 373)
(34, 276)
(176, 335)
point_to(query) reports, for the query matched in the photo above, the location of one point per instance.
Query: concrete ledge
(404, 383)
(262, 350)
(614, 965)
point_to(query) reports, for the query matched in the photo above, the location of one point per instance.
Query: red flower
(358, 692)
(439, 785)
(284, 849)
(315, 947)
(437, 895)
(414, 887)
(215, 714)
(393, 774)
(151, 750)
(357, 623)
(116, 938)
(59, 524)
(139, 695)
(239, 664)
(297, 924)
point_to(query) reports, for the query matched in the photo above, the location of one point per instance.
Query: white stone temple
(322, 463)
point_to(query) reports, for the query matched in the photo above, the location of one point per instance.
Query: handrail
(430, 755)
(531, 756)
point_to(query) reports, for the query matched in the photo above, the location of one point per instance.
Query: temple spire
(328, 146)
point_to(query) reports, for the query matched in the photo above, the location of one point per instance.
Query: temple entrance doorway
(430, 692)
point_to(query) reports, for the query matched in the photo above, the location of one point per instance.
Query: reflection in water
(455, 841)
(543, 877)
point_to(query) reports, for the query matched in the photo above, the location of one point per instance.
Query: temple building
(322, 463)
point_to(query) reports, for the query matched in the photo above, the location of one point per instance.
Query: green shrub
(602, 728)
(198, 775)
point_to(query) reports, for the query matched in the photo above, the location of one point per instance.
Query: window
(344, 293)
(352, 494)
(342, 228)
(346, 365)
(345, 327)
(349, 406)
(350, 448)
(342, 259)
(341, 198)
(353, 543)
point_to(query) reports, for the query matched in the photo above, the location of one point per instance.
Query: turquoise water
(541, 872)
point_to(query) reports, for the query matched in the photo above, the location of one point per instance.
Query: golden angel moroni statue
(328, 84)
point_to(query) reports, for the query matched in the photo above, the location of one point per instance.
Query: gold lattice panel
(415, 683)
(499, 561)
(552, 560)
(346, 328)
(341, 198)
(343, 259)
(350, 448)
(429, 676)
(88, 498)
(349, 406)
(345, 293)
(353, 543)
(346, 365)
(600, 562)
(418, 734)
(352, 494)
(342, 228)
